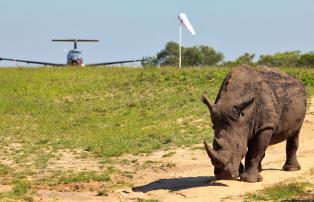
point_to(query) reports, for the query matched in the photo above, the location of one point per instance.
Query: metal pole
(180, 44)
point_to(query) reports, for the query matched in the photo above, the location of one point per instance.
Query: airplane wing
(33, 62)
(113, 63)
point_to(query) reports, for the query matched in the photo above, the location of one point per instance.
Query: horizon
(132, 30)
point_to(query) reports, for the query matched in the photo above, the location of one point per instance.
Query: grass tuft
(4, 170)
(279, 192)
(21, 187)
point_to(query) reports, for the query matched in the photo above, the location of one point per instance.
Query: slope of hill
(61, 125)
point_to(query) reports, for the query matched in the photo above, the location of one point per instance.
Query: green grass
(20, 188)
(110, 111)
(20, 191)
(280, 192)
(72, 177)
(83, 177)
(306, 75)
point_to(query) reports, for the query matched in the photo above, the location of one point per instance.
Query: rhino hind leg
(292, 145)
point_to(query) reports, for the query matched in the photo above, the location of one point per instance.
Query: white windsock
(186, 23)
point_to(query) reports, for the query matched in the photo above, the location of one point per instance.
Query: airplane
(74, 57)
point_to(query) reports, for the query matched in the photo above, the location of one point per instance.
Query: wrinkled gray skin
(254, 108)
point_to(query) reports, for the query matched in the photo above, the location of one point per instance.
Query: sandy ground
(187, 175)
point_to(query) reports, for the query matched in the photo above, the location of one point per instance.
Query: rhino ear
(206, 101)
(241, 107)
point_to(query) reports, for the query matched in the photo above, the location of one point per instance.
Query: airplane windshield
(74, 53)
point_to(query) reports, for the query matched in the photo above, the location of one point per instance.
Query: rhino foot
(291, 167)
(251, 177)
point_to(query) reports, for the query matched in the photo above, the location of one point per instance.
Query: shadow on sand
(270, 169)
(176, 184)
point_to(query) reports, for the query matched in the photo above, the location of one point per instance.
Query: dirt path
(187, 174)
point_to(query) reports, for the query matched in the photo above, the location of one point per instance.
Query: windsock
(186, 23)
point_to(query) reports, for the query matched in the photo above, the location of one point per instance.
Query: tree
(201, 56)
(307, 60)
(169, 55)
(289, 58)
(210, 56)
(149, 61)
(193, 56)
(247, 58)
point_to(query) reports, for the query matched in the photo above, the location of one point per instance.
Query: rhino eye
(237, 146)
(235, 112)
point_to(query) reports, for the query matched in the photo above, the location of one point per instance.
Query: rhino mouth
(228, 173)
(225, 166)
(225, 174)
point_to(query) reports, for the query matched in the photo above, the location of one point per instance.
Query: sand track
(191, 176)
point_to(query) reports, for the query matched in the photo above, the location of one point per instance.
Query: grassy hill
(47, 114)
(109, 111)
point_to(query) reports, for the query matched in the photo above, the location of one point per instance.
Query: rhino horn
(213, 155)
(206, 101)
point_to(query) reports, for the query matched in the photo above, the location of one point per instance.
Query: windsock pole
(180, 47)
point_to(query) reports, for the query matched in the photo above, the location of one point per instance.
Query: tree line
(207, 56)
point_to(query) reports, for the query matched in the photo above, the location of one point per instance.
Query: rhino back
(285, 87)
(291, 101)
(280, 99)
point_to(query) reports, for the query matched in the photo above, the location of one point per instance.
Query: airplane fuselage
(75, 58)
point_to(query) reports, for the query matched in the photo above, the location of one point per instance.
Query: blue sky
(131, 29)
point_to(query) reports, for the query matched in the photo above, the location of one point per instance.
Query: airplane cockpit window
(75, 54)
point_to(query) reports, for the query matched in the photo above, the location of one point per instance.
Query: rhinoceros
(254, 108)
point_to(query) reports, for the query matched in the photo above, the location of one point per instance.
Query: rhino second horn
(213, 155)
(206, 101)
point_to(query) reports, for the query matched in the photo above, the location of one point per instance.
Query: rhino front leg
(292, 145)
(256, 150)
